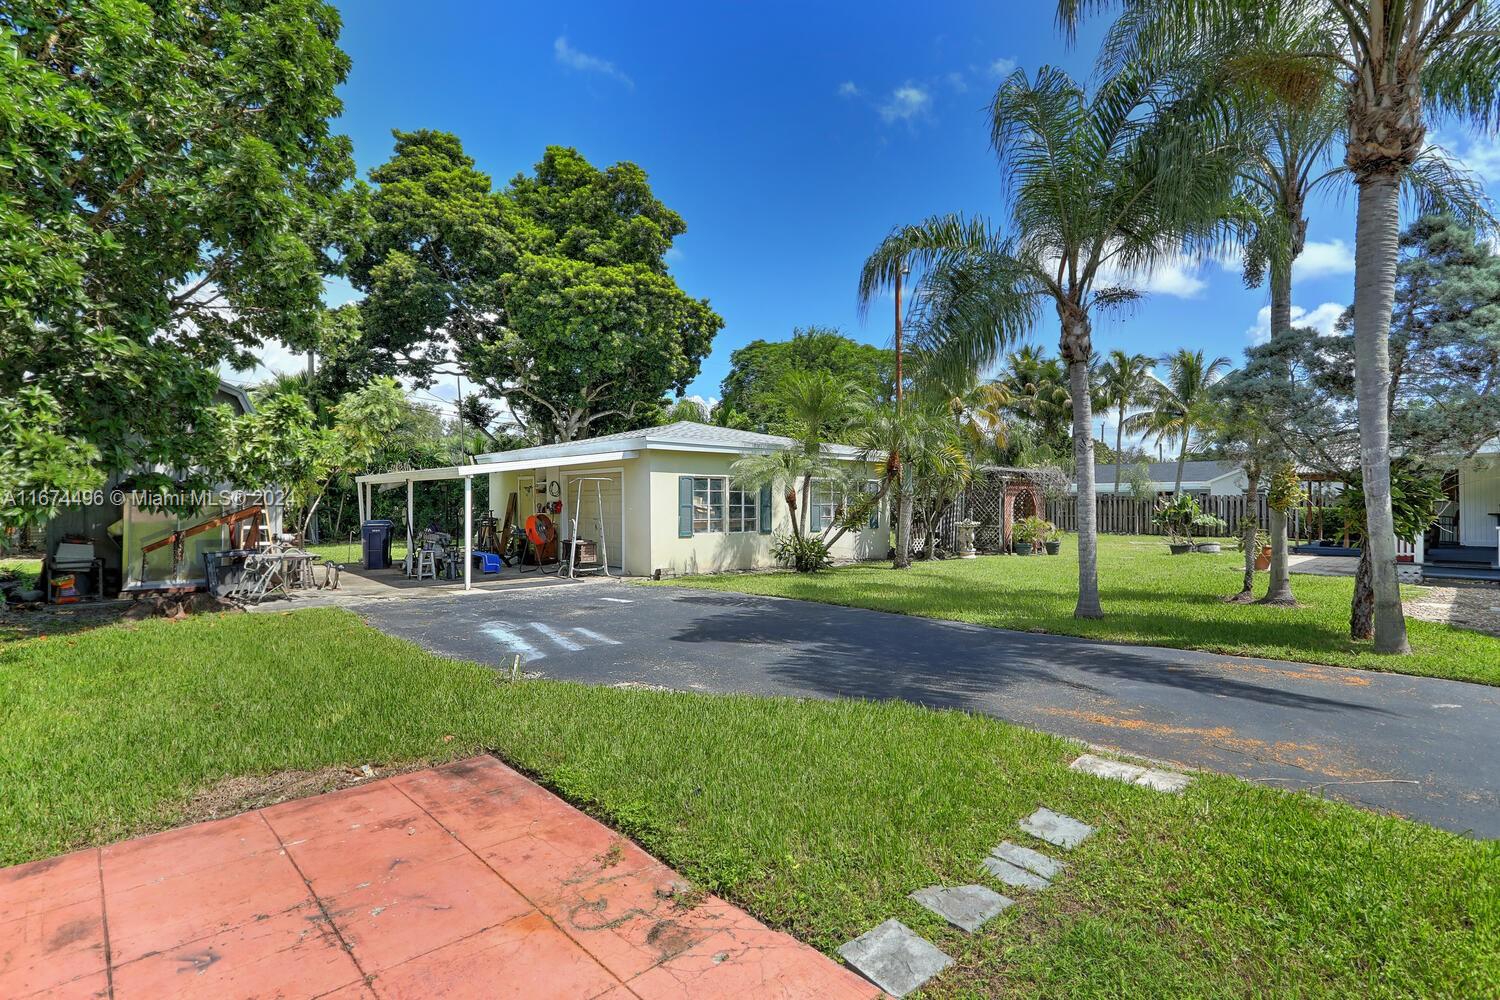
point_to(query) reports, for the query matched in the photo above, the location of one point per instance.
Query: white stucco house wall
(660, 498)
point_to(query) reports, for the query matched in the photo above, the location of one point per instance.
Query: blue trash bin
(376, 536)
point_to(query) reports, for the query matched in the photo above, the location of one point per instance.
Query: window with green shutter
(684, 506)
(765, 510)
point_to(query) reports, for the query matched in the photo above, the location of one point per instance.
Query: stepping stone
(894, 957)
(1131, 774)
(1056, 829)
(1163, 781)
(1012, 875)
(967, 907)
(1025, 857)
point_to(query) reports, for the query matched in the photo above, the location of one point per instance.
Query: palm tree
(1102, 184)
(1123, 381)
(780, 470)
(1182, 405)
(817, 406)
(1395, 59)
(976, 406)
(1038, 387)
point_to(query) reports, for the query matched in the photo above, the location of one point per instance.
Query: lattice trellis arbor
(997, 497)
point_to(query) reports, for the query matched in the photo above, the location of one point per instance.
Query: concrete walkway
(463, 881)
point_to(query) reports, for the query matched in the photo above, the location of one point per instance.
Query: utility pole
(903, 497)
(900, 271)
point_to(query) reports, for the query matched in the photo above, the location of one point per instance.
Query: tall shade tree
(1182, 404)
(1102, 185)
(1124, 379)
(1399, 62)
(553, 294)
(752, 388)
(171, 196)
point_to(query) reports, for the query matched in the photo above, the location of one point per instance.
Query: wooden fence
(1125, 515)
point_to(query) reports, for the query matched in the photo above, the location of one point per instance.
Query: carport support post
(408, 524)
(468, 531)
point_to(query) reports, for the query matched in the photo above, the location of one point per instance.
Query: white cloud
(1176, 276)
(1321, 319)
(708, 402)
(1480, 156)
(849, 89)
(906, 102)
(1319, 260)
(957, 82)
(1003, 66)
(570, 57)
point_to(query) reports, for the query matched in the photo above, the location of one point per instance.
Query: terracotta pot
(1263, 561)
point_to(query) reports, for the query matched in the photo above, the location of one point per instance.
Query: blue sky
(791, 137)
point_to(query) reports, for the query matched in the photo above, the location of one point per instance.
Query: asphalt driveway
(1420, 747)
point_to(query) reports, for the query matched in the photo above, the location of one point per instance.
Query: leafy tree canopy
(170, 196)
(552, 293)
(753, 388)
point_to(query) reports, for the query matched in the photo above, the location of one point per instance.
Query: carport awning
(485, 468)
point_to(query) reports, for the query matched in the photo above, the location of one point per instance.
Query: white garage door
(599, 510)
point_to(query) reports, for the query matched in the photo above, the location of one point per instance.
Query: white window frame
(708, 505)
(738, 523)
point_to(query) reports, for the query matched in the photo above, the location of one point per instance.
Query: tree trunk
(1375, 253)
(903, 523)
(1280, 591)
(1119, 441)
(1281, 326)
(1362, 608)
(1181, 458)
(806, 501)
(1075, 349)
(1250, 530)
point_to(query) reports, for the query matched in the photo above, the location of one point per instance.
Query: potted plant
(1054, 543)
(1176, 516)
(1209, 522)
(1029, 532)
(1261, 546)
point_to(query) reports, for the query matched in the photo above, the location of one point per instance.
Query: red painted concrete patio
(463, 881)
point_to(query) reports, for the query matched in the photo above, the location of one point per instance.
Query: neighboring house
(118, 529)
(659, 498)
(1198, 478)
(1465, 541)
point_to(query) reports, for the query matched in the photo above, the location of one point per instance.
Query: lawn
(1150, 597)
(819, 817)
(26, 570)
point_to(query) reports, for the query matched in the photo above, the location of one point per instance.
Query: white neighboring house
(1465, 542)
(659, 498)
(1198, 478)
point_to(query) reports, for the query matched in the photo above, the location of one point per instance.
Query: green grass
(819, 817)
(28, 571)
(1150, 597)
(350, 553)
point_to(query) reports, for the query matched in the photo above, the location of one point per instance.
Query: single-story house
(1198, 478)
(1464, 543)
(654, 499)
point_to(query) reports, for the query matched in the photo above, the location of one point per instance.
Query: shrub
(805, 554)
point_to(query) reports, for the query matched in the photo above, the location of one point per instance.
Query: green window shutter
(815, 516)
(765, 510)
(874, 488)
(684, 506)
